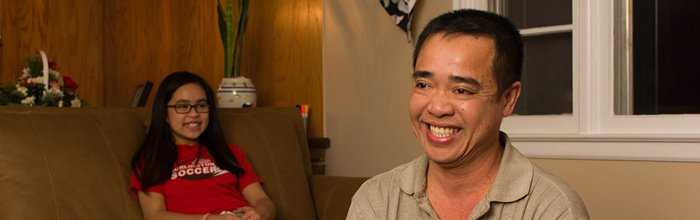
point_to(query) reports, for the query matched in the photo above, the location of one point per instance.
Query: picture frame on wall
(141, 94)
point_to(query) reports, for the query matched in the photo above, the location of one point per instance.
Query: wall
(284, 57)
(111, 46)
(367, 83)
(70, 32)
(632, 189)
(147, 40)
(367, 66)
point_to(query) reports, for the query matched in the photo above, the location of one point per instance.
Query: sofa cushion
(67, 164)
(273, 148)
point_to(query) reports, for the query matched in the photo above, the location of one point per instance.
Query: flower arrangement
(233, 45)
(31, 90)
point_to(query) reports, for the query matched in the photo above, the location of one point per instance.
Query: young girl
(184, 168)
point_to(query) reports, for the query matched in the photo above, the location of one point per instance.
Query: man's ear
(510, 98)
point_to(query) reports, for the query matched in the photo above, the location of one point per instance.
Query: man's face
(455, 109)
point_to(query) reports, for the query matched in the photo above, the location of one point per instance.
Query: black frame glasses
(184, 108)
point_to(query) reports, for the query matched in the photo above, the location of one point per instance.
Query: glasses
(183, 108)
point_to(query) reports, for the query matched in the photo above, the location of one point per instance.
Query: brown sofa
(74, 163)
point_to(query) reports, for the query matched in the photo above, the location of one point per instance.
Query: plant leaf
(240, 33)
(225, 30)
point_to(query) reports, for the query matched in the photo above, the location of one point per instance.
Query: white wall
(367, 70)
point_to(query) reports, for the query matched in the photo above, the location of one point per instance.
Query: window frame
(594, 131)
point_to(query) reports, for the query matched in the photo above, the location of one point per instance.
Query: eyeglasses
(183, 108)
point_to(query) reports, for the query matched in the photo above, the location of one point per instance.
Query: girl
(184, 168)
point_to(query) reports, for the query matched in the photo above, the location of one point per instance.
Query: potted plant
(235, 91)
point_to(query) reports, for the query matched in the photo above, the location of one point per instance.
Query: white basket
(45, 65)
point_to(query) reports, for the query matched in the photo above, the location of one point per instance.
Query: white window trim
(593, 131)
(475, 4)
(547, 30)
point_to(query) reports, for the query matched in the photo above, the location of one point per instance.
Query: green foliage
(5, 94)
(35, 66)
(232, 42)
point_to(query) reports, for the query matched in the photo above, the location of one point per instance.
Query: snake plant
(233, 44)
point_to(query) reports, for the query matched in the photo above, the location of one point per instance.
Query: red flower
(53, 65)
(70, 85)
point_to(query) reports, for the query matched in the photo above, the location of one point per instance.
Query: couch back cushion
(74, 163)
(67, 163)
(274, 141)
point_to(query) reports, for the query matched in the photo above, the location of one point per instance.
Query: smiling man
(467, 68)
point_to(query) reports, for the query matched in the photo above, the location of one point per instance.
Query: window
(547, 69)
(658, 66)
(624, 102)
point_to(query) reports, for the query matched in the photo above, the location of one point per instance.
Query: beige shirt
(521, 191)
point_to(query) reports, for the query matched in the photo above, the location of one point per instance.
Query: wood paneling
(110, 46)
(283, 55)
(150, 39)
(69, 31)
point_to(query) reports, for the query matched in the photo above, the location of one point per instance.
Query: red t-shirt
(203, 187)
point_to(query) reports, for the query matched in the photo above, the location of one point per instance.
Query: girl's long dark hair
(153, 162)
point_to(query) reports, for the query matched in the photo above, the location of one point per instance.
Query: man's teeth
(442, 132)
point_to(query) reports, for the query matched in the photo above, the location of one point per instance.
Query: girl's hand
(249, 213)
(223, 217)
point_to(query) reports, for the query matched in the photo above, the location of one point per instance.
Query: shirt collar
(414, 176)
(514, 175)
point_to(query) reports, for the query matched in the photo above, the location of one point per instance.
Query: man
(467, 67)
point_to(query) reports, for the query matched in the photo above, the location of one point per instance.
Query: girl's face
(188, 113)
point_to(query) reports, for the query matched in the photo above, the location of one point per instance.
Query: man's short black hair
(508, 63)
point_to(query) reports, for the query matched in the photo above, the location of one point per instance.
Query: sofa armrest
(333, 194)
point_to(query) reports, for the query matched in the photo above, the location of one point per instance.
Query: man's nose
(441, 105)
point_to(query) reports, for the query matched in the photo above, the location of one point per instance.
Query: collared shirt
(521, 190)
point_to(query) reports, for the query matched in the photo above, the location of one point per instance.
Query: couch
(58, 163)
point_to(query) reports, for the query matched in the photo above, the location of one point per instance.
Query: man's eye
(464, 91)
(421, 85)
